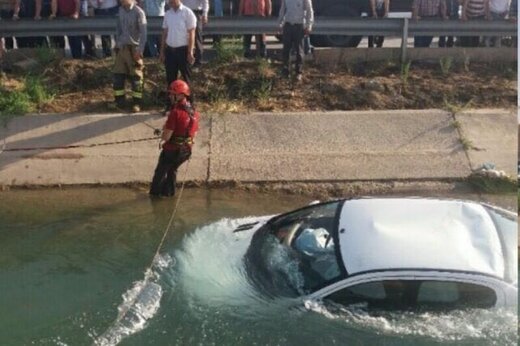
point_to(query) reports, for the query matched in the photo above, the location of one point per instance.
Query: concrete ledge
(260, 147)
(105, 164)
(336, 146)
(493, 137)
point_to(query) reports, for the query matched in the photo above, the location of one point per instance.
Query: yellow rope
(149, 268)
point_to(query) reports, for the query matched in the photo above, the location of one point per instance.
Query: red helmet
(179, 87)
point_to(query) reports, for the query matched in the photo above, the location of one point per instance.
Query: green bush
(36, 91)
(13, 103)
(25, 100)
(228, 51)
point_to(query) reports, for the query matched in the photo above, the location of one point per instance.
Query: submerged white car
(389, 253)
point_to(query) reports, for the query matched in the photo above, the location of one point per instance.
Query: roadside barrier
(397, 27)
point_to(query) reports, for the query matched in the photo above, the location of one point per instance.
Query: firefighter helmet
(179, 87)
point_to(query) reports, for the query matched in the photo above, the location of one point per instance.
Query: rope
(172, 217)
(74, 146)
(148, 270)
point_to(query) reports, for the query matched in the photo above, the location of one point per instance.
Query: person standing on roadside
(200, 8)
(498, 10)
(6, 12)
(152, 8)
(108, 8)
(177, 43)
(379, 9)
(452, 11)
(218, 11)
(473, 10)
(513, 17)
(29, 9)
(67, 9)
(130, 42)
(88, 40)
(255, 8)
(176, 140)
(427, 9)
(295, 18)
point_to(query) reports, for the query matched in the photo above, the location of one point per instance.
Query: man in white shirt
(177, 42)
(200, 8)
(295, 18)
(498, 10)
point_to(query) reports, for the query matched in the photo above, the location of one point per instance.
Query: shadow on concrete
(439, 127)
(65, 137)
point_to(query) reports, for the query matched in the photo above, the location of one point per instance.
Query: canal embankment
(375, 147)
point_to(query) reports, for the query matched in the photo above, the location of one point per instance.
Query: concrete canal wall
(341, 146)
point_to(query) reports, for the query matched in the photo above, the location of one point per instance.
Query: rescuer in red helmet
(176, 139)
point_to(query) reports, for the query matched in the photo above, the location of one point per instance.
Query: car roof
(417, 233)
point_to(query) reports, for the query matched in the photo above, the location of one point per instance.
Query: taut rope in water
(148, 272)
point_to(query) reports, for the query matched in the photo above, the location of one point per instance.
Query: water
(72, 272)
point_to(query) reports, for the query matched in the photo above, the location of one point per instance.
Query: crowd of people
(84, 46)
(465, 10)
(180, 48)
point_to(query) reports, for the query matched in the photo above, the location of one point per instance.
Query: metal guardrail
(241, 25)
(400, 27)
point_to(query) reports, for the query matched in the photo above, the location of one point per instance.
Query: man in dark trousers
(296, 18)
(177, 42)
(176, 140)
(130, 43)
(200, 8)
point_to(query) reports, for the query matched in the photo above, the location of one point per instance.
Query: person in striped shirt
(427, 9)
(473, 10)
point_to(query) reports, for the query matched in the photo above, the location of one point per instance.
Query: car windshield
(308, 235)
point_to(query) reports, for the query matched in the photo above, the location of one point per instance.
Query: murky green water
(69, 259)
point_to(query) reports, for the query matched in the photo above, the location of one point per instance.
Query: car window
(321, 215)
(415, 294)
(309, 234)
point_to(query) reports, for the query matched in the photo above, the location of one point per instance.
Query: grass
(446, 64)
(215, 92)
(508, 70)
(262, 89)
(405, 73)
(466, 144)
(467, 62)
(493, 185)
(254, 88)
(456, 124)
(13, 103)
(23, 100)
(45, 55)
(37, 91)
(228, 51)
(455, 108)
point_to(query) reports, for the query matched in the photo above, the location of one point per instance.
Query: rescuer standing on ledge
(176, 140)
